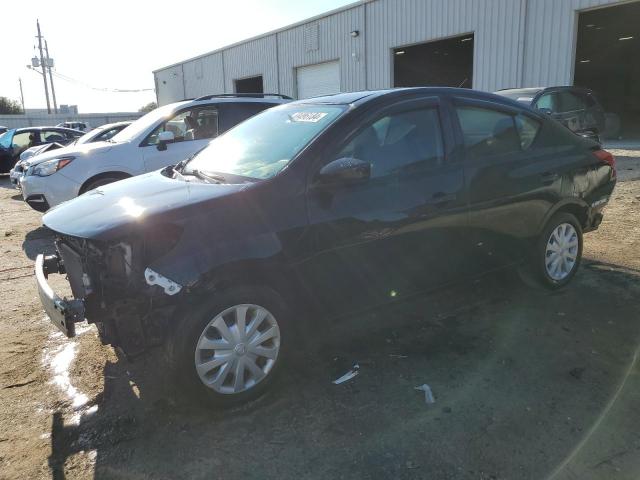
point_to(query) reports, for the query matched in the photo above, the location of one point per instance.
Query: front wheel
(230, 349)
(559, 251)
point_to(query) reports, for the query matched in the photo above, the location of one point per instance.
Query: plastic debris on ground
(347, 376)
(428, 394)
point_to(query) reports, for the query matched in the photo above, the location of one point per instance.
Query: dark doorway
(249, 85)
(446, 63)
(608, 62)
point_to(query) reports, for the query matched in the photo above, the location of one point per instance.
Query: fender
(575, 205)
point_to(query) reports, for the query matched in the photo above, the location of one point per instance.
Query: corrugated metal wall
(517, 43)
(256, 57)
(495, 24)
(203, 76)
(334, 43)
(169, 85)
(551, 30)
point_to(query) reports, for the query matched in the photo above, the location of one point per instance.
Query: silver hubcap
(237, 349)
(562, 251)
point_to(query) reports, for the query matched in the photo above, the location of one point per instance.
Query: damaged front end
(113, 287)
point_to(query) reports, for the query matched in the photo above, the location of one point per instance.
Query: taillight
(606, 157)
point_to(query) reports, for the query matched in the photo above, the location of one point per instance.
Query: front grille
(38, 203)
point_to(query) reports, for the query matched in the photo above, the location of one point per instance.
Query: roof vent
(311, 34)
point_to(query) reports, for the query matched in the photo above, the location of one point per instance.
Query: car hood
(29, 152)
(127, 207)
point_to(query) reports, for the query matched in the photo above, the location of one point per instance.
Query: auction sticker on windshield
(312, 117)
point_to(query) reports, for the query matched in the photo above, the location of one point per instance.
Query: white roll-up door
(319, 79)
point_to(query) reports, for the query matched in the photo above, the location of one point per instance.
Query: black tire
(539, 259)
(99, 182)
(184, 340)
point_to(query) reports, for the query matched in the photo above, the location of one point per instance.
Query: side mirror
(164, 138)
(344, 171)
(548, 111)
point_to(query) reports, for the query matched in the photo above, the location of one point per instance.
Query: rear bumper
(63, 313)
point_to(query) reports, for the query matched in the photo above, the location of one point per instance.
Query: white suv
(162, 137)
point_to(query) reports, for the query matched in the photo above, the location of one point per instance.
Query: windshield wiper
(208, 176)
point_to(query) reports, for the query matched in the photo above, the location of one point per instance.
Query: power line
(102, 89)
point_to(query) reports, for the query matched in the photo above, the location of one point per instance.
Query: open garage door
(439, 63)
(319, 79)
(608, 62)
(249, 85)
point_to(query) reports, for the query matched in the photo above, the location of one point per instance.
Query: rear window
(232, 114)
(489, 132)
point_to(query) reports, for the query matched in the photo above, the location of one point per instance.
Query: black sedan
(576, 108)
(327, 204)
(15, 141)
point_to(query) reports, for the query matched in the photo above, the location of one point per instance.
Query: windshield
(88, 136)
(144, 123)
(6, 138)
(263, 145)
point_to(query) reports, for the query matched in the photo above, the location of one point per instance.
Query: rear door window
(548, 101)
(50, 136)
(570, 102)
(488, 132)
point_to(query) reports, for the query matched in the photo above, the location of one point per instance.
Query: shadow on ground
(519, 376)
(38, 241)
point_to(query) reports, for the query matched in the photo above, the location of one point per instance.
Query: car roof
(261, 98)
(532, 91)
(114, 125)
(39, 129)
(359, 98)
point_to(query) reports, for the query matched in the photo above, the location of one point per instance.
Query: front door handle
(440, 199)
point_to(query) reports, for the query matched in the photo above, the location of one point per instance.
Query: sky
(117, 44)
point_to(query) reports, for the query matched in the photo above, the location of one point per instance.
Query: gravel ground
(527, 383)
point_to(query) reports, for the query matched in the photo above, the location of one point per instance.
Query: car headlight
(50, 167)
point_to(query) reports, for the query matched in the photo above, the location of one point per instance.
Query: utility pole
(49, 65)
(44, 68)
(21, 95)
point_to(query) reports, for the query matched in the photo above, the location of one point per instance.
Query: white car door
(192, 130)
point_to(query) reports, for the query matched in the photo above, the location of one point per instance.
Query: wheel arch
(576, 207)
(120, 175)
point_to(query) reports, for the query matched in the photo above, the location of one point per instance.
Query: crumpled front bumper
(62, 312)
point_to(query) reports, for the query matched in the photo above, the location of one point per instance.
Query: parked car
(15, 141)
(162, 137)
(576, 108)
(326, 204)
(100, 134)
(82, 126)
(3, 129)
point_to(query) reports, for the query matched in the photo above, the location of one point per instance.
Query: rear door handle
(439, 199)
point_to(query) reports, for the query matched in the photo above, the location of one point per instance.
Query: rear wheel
(230, 350)
(559, 251)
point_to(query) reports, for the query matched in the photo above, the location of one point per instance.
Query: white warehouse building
(481, 44)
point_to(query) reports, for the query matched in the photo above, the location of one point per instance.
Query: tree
(10, 107)
(148, 107)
